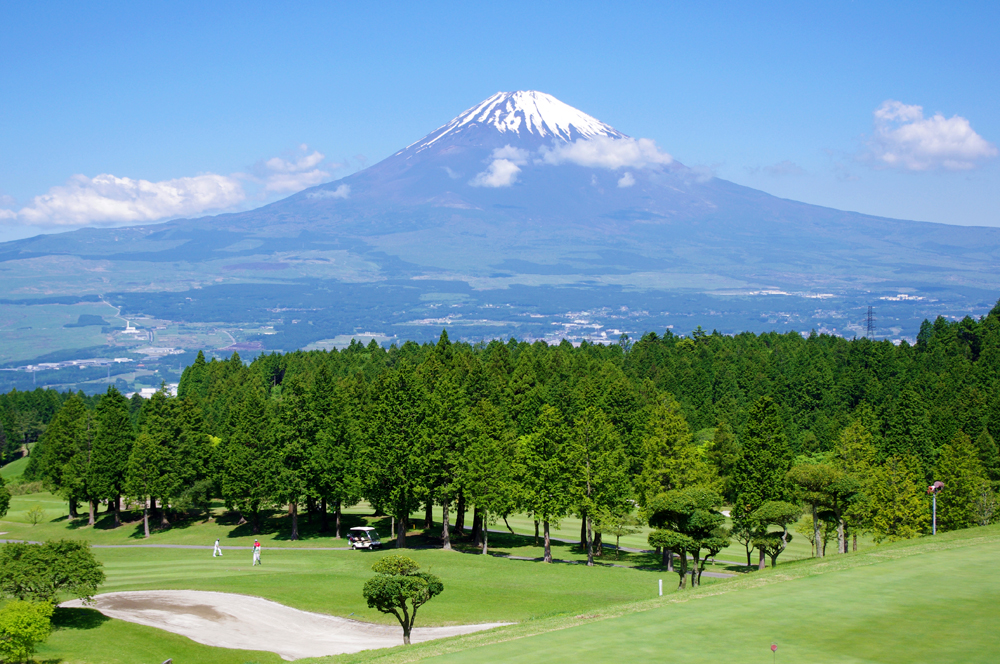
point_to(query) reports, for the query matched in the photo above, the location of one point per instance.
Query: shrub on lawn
(23, 625)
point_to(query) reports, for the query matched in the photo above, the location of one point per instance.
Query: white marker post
(661, 587)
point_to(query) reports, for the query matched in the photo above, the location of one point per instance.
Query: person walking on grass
(256, 553)
(218, 549)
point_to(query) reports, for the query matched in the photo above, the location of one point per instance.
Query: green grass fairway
(923, 601)
(477, 588)
(14, 469)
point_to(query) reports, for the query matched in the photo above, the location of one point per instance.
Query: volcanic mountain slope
(524, 190)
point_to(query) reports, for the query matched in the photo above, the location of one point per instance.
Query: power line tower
(870, 320)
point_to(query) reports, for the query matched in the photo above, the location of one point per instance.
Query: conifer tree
(442, 440)
(545, 463)
(898, 503)
(392, 469)
(160, 423)
(963, 476)
(599, 470)
(489, 469)
(989, 456)
(671, 460)
(759, 474)
(909, 433)
(66, 438)
(295, 433)
(113, 437)
(251, 459)
(333, 459)
(144, 480)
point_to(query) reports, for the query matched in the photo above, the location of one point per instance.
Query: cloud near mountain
(905, 139)
(110, 200)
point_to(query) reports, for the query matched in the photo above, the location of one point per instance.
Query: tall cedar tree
(113, 437)
(546, 482)
(963, 476)
(489, 469)
(671, 459)
(295, 433)
(442, 438)
(599, 470)
(332, 460)
(161, 424)
(251, 459)
(143, 479)
(759, 474)
(909, 431)
(65, 439)
(392, 464)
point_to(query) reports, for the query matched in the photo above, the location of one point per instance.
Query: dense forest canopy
(593, 430)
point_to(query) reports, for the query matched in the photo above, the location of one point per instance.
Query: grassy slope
(919, 601)
(14, 469)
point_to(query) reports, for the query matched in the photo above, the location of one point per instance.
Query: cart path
(243, 622)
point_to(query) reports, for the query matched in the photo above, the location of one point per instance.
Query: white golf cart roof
(364, 528)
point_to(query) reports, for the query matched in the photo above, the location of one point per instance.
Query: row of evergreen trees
(853, 429)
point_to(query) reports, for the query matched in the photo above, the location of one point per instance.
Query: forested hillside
(853, 429)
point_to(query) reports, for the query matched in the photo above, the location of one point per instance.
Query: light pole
(933, 490)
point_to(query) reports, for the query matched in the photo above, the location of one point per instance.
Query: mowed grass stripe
(937, 606)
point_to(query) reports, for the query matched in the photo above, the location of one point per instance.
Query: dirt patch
(251, 623)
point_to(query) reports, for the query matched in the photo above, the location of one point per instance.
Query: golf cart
(364, 537)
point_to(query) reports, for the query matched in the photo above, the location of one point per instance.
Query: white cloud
(512, 154)
(285, 175)
(106, 200)
(500, 173)
(606, 152)
(905, 139)
(343, 191)
(626, 180)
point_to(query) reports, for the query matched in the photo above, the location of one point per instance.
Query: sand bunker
(251, 623)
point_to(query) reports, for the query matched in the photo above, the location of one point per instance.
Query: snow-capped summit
(521, 114)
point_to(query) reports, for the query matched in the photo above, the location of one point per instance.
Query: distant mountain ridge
(523, 192)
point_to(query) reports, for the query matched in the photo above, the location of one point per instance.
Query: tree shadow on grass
(78, 618)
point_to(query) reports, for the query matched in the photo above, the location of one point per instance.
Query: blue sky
(193, 97)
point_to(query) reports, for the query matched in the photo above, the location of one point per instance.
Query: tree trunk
(854, 536)
(670, 560)
(460, 514)
(536, 532)
(445, 535)
(164, 522)
(324, 522)
(406, 635)
(816, 533)
(747, 547)
(152, 507)
(841, 542)
(477, 527)
(763, 563)
(618, 545)
(91, 518)
(583, 532)
(145, 520)
(696, 571)
(310, 509)
(72, 510)
(116, 505)
(293, 507)
(598, 545)
(255, 522)
(404, 525)
(429, 514)
(683, 573)
(392, 527)
(664, 557)
(547, 557)
(336, 519)
(486, 533)
(590, 542)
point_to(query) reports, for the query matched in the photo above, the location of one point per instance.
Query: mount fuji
(526, 216)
